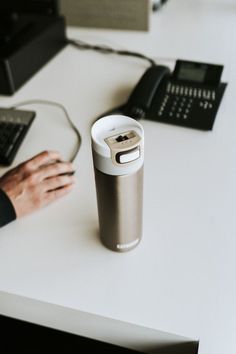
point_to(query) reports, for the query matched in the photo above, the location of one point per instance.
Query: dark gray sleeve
(7, 211)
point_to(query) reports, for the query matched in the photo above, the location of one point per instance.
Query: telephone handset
(143, 94)
(190, 96)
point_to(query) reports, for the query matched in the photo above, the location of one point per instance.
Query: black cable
(108, 50)
(157, 4)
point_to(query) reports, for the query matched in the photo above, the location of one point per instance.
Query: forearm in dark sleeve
(7, 211)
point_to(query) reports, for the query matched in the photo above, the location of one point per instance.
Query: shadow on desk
(22, 337)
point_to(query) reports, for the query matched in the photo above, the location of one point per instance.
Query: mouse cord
(108, 50)
(60, 106)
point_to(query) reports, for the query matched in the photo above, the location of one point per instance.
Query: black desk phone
(190, 96)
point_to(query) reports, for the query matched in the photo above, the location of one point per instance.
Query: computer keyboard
(14, 124)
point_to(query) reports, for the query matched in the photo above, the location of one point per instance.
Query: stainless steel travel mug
(118, 157)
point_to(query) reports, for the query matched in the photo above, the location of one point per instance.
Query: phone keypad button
(168, 88)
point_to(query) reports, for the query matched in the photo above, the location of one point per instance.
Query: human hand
(38, 182)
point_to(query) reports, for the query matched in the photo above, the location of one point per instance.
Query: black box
(31, 40)
(46, 7)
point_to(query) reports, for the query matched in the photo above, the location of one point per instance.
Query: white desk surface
(181, 278)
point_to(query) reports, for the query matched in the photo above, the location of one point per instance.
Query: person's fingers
(53, 195)
(43, 158)
(53, 183)
(55, 169)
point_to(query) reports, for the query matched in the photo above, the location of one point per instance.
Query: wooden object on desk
(117, 14)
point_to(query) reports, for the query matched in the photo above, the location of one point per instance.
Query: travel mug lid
(118, 144)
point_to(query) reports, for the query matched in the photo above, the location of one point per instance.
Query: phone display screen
(193, 73)
(199, 73)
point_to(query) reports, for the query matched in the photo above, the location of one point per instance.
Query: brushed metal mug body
(120, 208)
(118, 159)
